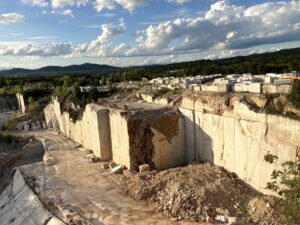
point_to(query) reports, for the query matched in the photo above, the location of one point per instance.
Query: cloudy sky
(36, 33)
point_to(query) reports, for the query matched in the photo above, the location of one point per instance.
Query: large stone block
(155, 137)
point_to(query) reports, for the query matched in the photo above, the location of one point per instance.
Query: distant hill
(278, 62)
(281, 61)
(60, 70)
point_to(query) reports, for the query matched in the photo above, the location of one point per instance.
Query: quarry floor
(74, 188)
(80, 192)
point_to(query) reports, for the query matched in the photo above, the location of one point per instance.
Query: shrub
(33, 106)
(294, 96)
(286, 183)
(6, 137)
(10, 122)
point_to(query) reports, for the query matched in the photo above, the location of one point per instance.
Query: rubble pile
(201, 193)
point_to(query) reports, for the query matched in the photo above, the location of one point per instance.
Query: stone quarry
(138, 146)
(142, 134)
(226, 131)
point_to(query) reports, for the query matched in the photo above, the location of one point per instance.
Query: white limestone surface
(20, 206)
(239, 139)
(92, 131)
(21, 103)
(119, 138)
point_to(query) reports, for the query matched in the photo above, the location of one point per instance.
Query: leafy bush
(33, 106)
(6, 137)
(286, 183)
(10, 122)
(294, 96)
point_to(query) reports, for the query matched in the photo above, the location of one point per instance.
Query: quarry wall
(8, 103)
(91, 131)
(21, 103)
(236, 138)
(239, 139)
(154, 137)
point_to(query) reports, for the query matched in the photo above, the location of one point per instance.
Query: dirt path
(75, 185)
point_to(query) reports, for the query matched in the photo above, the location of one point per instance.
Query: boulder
(144, 168)
(117, 169)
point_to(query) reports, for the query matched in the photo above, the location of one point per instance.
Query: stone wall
(239, 139)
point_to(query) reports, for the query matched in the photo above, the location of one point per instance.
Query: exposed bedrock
(92, 131)
(21, 103)
(8, 103)
(19, 205)
(154, 137)
(237, 138)
(228, 132)
(141, 135)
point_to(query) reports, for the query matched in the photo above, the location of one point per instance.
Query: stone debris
(144, 168)
(105, 166)
(82, 149)
(20, 126)
(44, 125)
(231, 219)
(265, 210)
(117, 169)
(199, 192)
(112, 165)
(221, 219)
(26, 127)
(94, 159)
(90, 155)
(48, 159)
(29, 125)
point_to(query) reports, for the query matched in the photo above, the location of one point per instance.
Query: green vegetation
(165, 92)
(286, 183)
(294, 96)
(6, 138)
(276, 62)
(33, 106)
(10, 122)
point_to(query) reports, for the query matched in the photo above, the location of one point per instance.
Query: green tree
(76, 90)
(286, 183)
(294, 96)
(33, 106)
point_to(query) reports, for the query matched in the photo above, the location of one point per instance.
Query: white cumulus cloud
(179, 1)
(40, 3)
(8, 18)
(62, 3)
(129, 5)
(225, 29)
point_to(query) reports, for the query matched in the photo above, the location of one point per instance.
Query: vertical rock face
(92, 131)
(153, 137)
(239, 138)
(51, 119)
(8, 103)
(21, 103)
